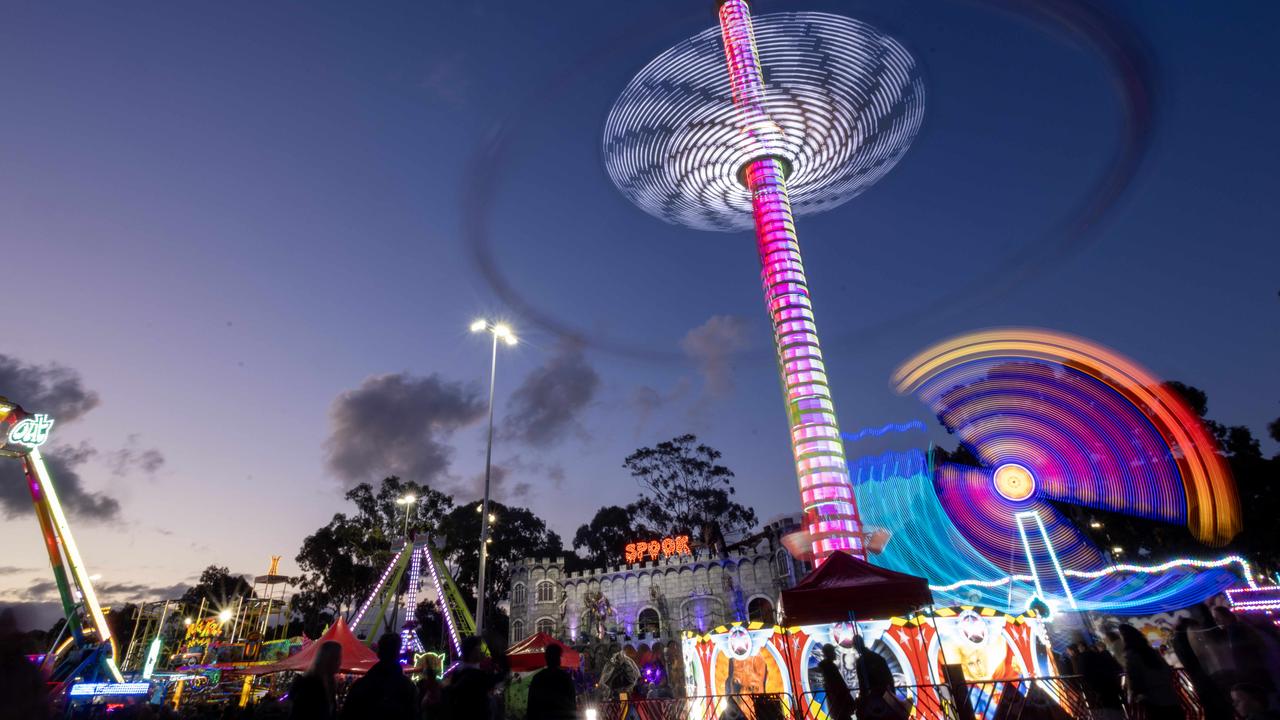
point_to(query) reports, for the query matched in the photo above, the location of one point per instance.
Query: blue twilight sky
(242, 227)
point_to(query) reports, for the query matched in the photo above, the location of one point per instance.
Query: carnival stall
(737, 661)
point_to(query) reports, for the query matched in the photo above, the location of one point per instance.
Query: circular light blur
(1014, 482)
(844, 99)
(479, 325)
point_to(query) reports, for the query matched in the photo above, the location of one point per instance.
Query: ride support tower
(826, 492)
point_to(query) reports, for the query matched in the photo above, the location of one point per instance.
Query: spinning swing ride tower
(814, 108)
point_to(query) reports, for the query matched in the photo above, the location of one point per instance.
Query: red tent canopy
(527, 655)
(356, 656)
(844, 586)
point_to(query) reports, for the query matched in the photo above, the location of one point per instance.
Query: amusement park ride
(84, 658)
(1055, 421)
(411, 557)
(749, 124)
(86, 650)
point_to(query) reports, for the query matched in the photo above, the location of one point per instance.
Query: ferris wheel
(1057, 421)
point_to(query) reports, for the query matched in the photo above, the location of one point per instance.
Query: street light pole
(498, 331)
(484, 508)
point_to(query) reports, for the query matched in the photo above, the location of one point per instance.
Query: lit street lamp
(407, 501)
(499, 331)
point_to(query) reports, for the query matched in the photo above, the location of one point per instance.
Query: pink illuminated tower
(820, 103)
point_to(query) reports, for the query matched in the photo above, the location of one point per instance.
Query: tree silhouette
(218, 588)
(605, 537)
(684, 490)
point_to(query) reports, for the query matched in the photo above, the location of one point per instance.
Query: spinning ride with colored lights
(1055, 421)
(813, 109)
(86, 650)
(409, 561)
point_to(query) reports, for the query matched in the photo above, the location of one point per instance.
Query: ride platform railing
(1042, 698)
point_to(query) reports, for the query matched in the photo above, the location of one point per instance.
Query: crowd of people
(1232, 666)
(465, 693)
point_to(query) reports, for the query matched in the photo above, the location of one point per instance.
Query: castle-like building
(667, 589)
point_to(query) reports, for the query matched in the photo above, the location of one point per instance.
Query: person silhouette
(1151, 682)
(839, 699)
(313, 695)
(384, 692)
(551, 692)
(467, 689)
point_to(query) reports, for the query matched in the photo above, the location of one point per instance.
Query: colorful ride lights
(841, 103)
(454, 639)
(1263, 598)
(386, 574)
(118, 689)
(409, 641)
(1246, 571)
(1014, 482)
(1094, 427)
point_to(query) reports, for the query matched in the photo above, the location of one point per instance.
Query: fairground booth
(752, 669)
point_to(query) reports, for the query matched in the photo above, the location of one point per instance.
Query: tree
(607, 534)
(120, 621)
(218, 588)
(312, 610)
(685, 490)
(514, 535)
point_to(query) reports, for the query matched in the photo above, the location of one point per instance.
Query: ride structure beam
(826, 492)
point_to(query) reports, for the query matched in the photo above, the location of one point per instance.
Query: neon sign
(32, 431)
(653, 549)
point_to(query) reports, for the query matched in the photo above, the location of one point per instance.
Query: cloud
(39, 591)
(647, 401)
(54, 389)
(131, 457)
(13, 570)
(42, 591)
(500, 486)
(546, 405)
(59, 391)
(556, 475)
(127, 592)
(62, 462)
(32, 615)
(396, 424)
(712, 346)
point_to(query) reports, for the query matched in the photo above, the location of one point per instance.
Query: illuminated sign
(654, 549)
(109, 689)
(32, 431)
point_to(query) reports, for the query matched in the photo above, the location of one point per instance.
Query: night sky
(241, 245)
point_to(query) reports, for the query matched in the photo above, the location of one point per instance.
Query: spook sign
(653, 549)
